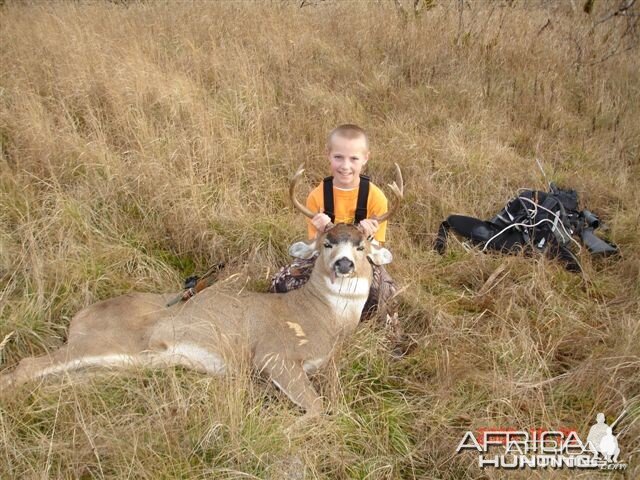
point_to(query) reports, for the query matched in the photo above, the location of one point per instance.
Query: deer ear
(303, 250)
(379, 255)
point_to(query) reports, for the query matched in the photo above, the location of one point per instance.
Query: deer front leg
(290, 377)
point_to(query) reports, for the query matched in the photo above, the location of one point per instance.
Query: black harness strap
(363, 196)
(361, 206)
(328, 198)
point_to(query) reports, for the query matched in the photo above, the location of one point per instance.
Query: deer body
(283, 336)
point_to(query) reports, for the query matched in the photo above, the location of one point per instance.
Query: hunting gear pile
(534, 220)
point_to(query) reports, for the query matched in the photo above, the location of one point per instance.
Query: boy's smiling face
(347, 157)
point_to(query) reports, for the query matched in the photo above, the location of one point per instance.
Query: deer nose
(344, 265)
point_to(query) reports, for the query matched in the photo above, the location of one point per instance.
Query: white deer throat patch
(347, 295)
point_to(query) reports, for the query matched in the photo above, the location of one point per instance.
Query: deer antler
(292, 193)
(397, 188)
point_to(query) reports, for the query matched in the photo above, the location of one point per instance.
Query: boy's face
(347, 157)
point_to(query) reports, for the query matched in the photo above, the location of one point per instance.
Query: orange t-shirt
(344, 204)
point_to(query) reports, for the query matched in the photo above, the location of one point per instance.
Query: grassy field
(143, 142)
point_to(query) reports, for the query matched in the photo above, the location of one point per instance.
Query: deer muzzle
(344, 266)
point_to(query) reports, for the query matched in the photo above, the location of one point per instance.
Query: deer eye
(360, 248)
(328, 245)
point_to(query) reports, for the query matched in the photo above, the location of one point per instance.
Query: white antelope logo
(285, 336)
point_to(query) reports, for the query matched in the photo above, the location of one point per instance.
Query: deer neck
(344, 296)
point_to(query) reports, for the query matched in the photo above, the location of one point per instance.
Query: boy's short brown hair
(349, 131)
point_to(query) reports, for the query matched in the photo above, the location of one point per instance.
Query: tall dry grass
(143, 142)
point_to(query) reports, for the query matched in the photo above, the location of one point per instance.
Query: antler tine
(292, 193)
(397, 188)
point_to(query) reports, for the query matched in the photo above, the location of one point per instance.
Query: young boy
(348, 153)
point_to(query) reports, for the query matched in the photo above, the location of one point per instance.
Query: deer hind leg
(31, 368)
(289, 376)
(61, 361)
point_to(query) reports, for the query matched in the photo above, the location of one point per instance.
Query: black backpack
(533, 220)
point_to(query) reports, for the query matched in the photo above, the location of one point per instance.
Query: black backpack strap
(363, 197)
(440, 244)
(327, 190)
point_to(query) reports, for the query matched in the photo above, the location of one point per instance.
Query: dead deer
(283, 336)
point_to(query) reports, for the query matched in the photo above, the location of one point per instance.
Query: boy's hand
(320, 221)
(369, 227)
